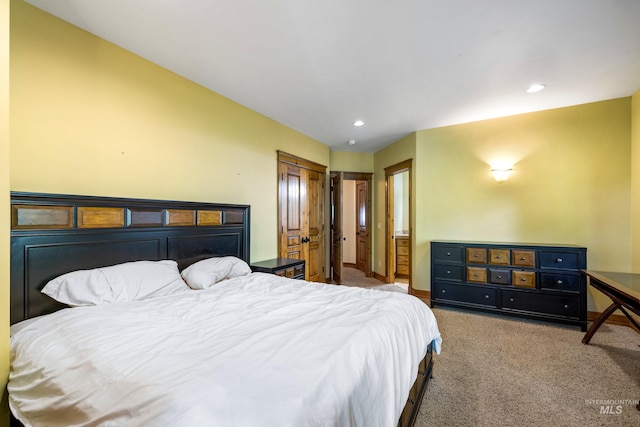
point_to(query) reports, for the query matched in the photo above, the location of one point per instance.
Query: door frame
(359, 176)
(389, 173)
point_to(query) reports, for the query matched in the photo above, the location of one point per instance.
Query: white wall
(401, 201)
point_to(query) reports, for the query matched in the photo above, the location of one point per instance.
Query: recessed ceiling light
(536, 88)
(352, 142)
(358, 123)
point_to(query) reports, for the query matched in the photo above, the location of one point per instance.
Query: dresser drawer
(296, 272)
(559, 259)
(402, 260)
(402, 241)
(481, 295)
(476, 275)
(447, 254)
(560, 282)
(524, 279)
(402, 250)
(566, 306)
(477, 255)
(499, 256)
(499, 276)
(402, 269)
(449, 272)
(523, 258)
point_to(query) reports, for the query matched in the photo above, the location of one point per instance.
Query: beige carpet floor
(355, 277)
(501, 371)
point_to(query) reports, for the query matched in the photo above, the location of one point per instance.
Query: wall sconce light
(501, 174)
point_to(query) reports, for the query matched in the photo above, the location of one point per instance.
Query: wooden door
(362, 226)
(301, 194)
(293, 216)
(315, 226)
(336, 227)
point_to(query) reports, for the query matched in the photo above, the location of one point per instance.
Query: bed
(241, 349)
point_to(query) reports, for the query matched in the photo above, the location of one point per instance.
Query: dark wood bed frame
(53, 234)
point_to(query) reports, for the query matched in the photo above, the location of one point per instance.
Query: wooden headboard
(54, 234)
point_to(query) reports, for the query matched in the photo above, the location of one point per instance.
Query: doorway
(350, 223)
(399, 238)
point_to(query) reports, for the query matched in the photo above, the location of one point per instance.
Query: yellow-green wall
(403, 149)
(345, 161)
(4, 205)
(635, 182)
(88, 117)
(570, 184)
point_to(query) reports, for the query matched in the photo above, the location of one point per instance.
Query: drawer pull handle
(448, 271)
(444, 291)
(423, 373)
(475, 255)
(486, 296)
(511, 299)
(411, 401)
(559, 282)
(448, 253)
(524, 279)
(499, 277)
(559, 260)
(475, 274)
(566, 306)
(523, 259)
(499, 257)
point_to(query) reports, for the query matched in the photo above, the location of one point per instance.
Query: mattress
(255, 350)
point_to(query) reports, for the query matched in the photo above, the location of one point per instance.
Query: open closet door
(336, 227)
(363, 226)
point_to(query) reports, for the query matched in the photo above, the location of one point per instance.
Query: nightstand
(286, 267)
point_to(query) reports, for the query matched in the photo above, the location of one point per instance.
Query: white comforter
(258, 350)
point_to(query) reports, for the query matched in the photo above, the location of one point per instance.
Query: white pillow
(131, 281)
(238, 268)
(206, 273)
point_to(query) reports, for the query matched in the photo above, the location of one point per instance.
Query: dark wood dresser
(535, 281)
(287, 267)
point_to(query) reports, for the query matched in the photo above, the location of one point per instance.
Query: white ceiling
(400, 66)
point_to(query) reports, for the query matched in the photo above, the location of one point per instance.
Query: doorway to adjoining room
(351, 233)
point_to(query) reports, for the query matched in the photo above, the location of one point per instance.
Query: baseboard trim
(425, 296)
(380, 277)
(614, 319)
(349, 265)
